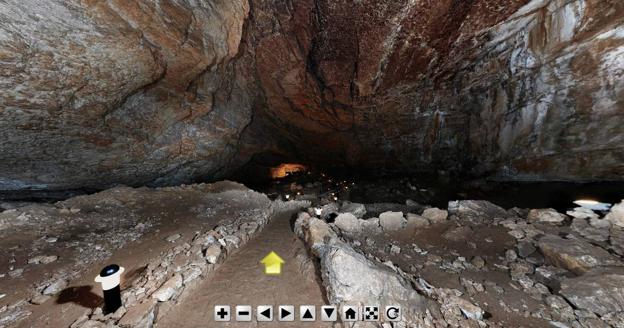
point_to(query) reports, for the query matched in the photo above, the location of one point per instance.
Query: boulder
(329, 209)
(314, 232)
(359, 210)
(525, 248)
(575, 255)
(350, 278)
(416, 221)
(435, 215)
(582, 213)
(392, 221)
(213, 253)
(582, 227)
(348, 223)
(616, 214)
(371, 225)
(476, 210)
(599, 291)
(546, 215)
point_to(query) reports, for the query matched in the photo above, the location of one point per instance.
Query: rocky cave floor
(188, 248)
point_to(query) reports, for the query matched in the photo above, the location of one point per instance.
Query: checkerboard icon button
(329, 313)
(393, 313)
(307, 313)
(222, 313)
(371, 313)
(264, 313)
(243, 313)
(350, 313)
(286, 313)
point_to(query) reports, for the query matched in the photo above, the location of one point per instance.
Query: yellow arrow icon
(272, 264)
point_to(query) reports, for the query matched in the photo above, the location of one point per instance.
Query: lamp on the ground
(110, 278)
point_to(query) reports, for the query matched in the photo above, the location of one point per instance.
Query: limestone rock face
(575, 255)
(142, 92)
(599, 292)
(517, 88)
(476, 210)
(136, 92)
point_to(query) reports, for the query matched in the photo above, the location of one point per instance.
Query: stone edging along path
(181, 267)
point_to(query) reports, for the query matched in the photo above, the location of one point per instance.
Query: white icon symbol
(307, 313)
(350, 313)
(393, 313)
(329, 313)
(222, 313)
(243, 313)
(264, 313)
(371, 313)
(286, 313)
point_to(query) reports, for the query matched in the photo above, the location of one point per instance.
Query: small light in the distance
(592, 204)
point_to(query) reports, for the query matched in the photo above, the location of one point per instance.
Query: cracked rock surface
(143, 92)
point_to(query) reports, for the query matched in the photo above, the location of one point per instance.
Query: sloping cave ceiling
(142, 92)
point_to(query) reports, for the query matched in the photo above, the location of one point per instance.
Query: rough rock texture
(546, 215)
(351, 278)
(476, 210)
(472, 85)
(97, 93)
(600, 292)
(143, 92)
(577, 256)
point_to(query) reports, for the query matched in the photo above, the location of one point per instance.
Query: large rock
(435, 215)
(616, 215)
(599, 291)
(476, 210)
(350, 278)
(392, 221)
(357, 209)
(348, 223)
(546, 215)
(575, 255)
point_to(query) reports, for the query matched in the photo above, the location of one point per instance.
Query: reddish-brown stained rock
(140, 92)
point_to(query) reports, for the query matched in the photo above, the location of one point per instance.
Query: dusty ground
(163, 237)
(125, 226)
(241, 281)
(424, 248)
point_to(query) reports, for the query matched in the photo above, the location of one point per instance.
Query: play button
(264, 313)
(286, 313)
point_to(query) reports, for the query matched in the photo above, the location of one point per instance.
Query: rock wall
(137, 92)
(486, 87)
(143, 92)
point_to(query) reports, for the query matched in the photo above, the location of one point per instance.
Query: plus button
(222, 313)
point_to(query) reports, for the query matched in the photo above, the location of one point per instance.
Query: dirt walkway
(241, 281)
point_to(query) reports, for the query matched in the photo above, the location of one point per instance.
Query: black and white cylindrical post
(110, 278)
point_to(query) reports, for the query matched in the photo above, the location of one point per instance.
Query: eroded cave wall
(95, 93)
(509, 88)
